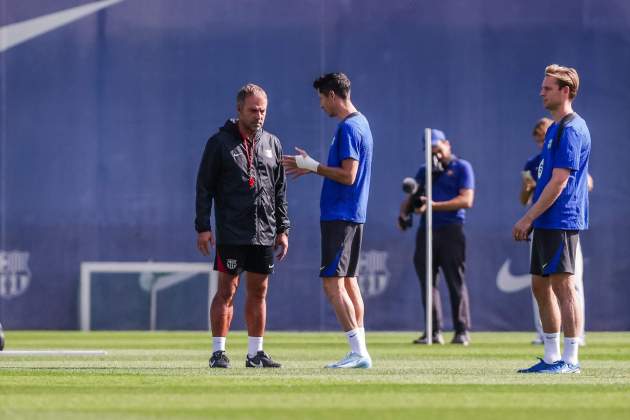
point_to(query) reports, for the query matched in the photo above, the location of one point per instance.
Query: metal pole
(428, 217)
(85, 298)
(153, 307)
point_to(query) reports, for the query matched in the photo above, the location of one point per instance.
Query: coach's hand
(202, 242)
(522, 229)
(282, 242)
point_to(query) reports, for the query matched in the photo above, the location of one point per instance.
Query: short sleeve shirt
(457, 175)
(532, 166)
(570, 210)
(353, 140)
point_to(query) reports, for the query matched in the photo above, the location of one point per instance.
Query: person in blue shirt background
(558, 213)
(529, 174)
(343, 206)
(453, 192)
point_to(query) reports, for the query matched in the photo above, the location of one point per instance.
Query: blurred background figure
(453, 192)
(1, 338)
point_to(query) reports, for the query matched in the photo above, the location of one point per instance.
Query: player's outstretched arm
(302, 164)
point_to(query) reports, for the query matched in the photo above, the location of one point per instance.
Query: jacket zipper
(256, 186)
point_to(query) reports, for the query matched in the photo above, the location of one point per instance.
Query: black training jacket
(244, 215)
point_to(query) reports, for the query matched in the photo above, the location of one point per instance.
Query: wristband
(306, 163)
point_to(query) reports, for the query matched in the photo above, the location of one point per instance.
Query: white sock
(254, 345)
(362, 332)
(570, 353)
(354, 339)
(218, 343)
(363, 341)
(552, 347)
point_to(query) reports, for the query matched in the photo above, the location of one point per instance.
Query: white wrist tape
(306, 163)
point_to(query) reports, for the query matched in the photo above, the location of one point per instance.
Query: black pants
(449, 254)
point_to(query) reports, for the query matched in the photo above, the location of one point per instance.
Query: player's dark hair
(335, 82)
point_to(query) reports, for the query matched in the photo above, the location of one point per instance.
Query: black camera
(417, 193)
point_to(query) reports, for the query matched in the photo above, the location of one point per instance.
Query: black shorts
(233, 259)
(341, 246)
(553, 251)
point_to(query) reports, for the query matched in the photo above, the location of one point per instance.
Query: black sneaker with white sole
(461, 338)
(219, 359)
(437, 339)
(261, 360)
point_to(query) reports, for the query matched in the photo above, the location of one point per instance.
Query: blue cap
(436, 136)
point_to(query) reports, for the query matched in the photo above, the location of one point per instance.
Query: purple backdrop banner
(106, 108)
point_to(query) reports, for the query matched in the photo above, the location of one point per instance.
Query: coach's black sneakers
(437, 339)
(261, 360)
(219, 359)
(461, 338)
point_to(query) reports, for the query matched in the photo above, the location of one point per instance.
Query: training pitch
(166, 375)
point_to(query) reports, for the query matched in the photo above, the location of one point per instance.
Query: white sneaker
(352, 360)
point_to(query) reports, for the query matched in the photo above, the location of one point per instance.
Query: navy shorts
(233, 259)
(553, 251)
(341, 247)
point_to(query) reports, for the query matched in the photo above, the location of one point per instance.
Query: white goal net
(145, 295)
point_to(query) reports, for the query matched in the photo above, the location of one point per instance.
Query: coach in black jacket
(241, 171)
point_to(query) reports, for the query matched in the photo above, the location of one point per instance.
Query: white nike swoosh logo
(271, 266)
(17, 33)
(259, 365)
(508, 282)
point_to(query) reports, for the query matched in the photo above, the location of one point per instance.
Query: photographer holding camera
(453, 192)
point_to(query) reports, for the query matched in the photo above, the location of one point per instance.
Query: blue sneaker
(568, 367)
(352, 361)
(543, 367)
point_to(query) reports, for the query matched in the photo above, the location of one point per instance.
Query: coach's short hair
(335, 82)
(565, 76)
(542, 124)
(249, 90)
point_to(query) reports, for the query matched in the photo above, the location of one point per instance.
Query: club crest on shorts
(15, 276)
(230, 263)
(373, 273)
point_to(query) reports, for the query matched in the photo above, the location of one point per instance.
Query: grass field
(165, 375)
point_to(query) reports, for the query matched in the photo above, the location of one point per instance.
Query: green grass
(165, 375)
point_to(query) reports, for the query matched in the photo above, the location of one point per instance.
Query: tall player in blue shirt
(559, 212)
(343, 208)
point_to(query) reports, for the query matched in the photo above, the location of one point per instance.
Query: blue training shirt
(457, 175)
(532, 166)
(570, 210)
(353, 140)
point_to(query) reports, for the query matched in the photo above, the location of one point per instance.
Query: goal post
(178, 273)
